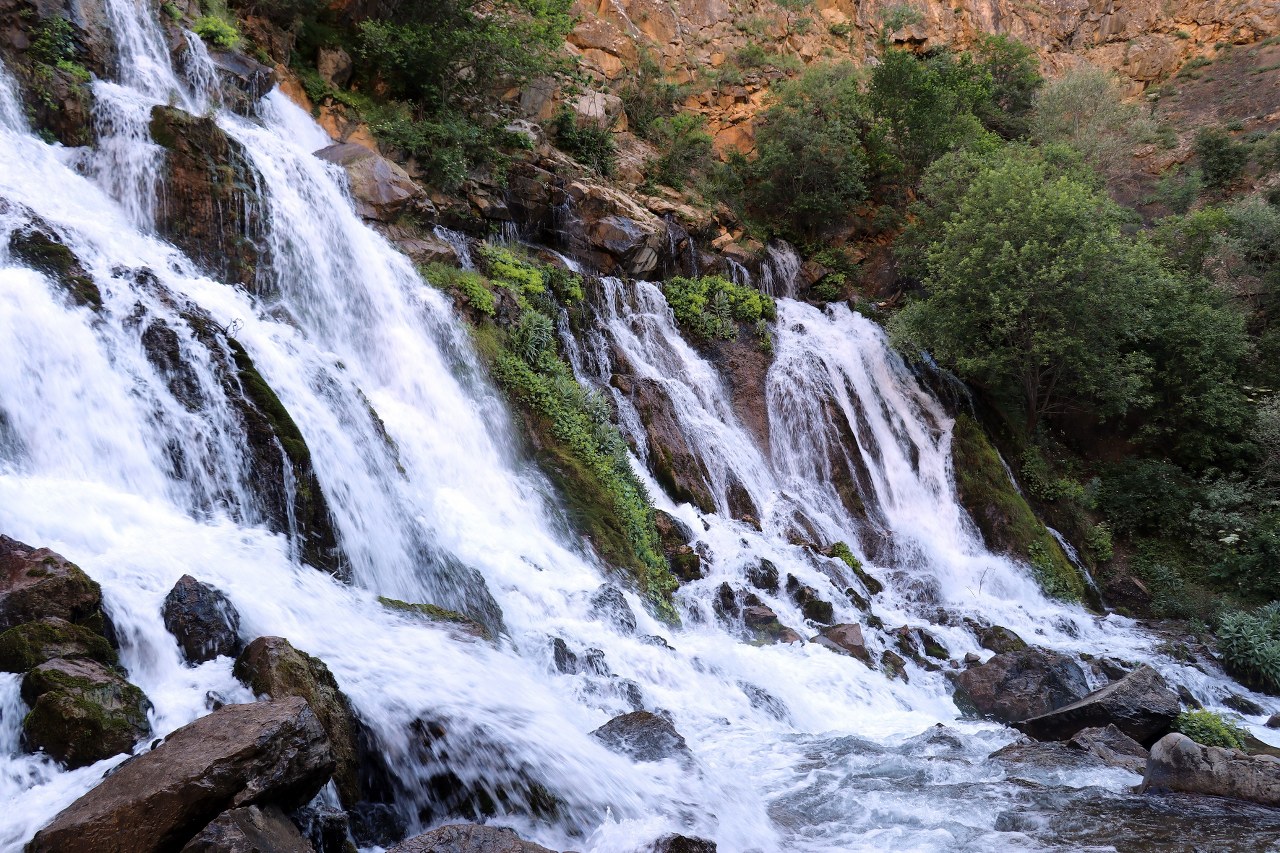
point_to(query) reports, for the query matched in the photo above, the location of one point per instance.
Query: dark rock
(1141, 705)
(36, 582)
(764, 625)
(1017, 685)
(655, 640)
(763, 700)
(270, 666)
(593, 663)
(1178, 763)
(764, 576)
(381, 189)
(643, 736)
(268, 753)
(376, 824)
(608, 604)
(249, 830)
(677, 547)
(242, 80)
(846, 639)
(458, 622)
(1186, 697)
(468, 838)
(28, 645)
(565, 660)
(1273, 722)
(325, 827)
(1112, 669)
(918, 645)
(1111, 746)
(811, 604)
(1243, 705)
(672, 843)
(163, 348)
(82, 711)
(204, 622)
(673, 463)
(996, 638)
(38, 246)
(894, 666)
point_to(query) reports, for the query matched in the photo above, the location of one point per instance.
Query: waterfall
(780, 269)
(141, 472)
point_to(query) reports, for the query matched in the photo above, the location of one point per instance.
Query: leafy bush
(589, 142)
(469, 283)
(1221, 158)
(1179, 188)
(685, 146)
(54, 41)
(1147, 496)
(647, 96)
(1086, 110)
(217, 31)
(532, 336)
(505, 268)
(712, 306)
(1015, 79)
(1099, 542)
(1250, 646)
(1210, 729)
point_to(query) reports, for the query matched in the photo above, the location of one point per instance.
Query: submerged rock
(250, 830)
(36, 582)
(672, 843)
(267, 753)
(28, 645)
(643, 736)
(82, 711)
(846, 639)
(1141, 705)
(1178, 763)
(468, 838)
(203, 621)
(608, 604)
(1015, 686)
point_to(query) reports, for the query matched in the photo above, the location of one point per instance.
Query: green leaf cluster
(471, 284)
(711, 307)
(1250, 646)
(1210, 729)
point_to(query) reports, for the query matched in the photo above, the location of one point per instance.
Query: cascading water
(794, 748)
(780, 269)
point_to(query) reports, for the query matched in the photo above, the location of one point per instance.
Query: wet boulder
(271, 666)
(1015, 686)
(765, 627)
(250, 830)
(203, 621)
(457, 622)
(326, 828)
(996, 638)
(673, 462)
(1112, 747)
(1178, 763)
(36, 582)
(672, 843)
(266, 753)
(894, 666)
(764, 576)
(38, 246)
(677, 547)
(381, 189)
(608, 604)
(814, 607)
(82, 711)
(468, 838)
(1141, 705)
(644, 736)
(846, 639)
(26, 646)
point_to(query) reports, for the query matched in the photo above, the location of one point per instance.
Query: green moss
(712, 306)
(80, 720)
(26, 646)
(473, 286)
(217, 31)
(510, 271)
(842, 552)
(434, 613)
(1004, 517)
(1210, 729)
(260, 393)
(44, 253)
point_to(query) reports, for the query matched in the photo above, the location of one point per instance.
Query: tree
(1084, 110)
(1015, 79)
(1222, 159)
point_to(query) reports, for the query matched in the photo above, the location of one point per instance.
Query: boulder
(765, 626)
(1141, 705)
(1015, 686)
(250, 830)
(381, 189)
(468, 838)
(996, 638)
(271, 666)
(38, 246)
(677, 546)
(204, 622)
(267, 753)
(1178, 763)
(814, 607)
(1112, 746)
(335, 66)
(242, 80)
(608, 604)
(36, 582)
(82, 711)
(672, 843)
(673, 463)
(764, 576)
(894, 666)
(33, 643)
(846, 639)
(643, 736)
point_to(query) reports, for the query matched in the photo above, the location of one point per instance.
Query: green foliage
(647, 96)
(217, 31)
(1250, 565)
(565, 284)
(1099, 542)
(1179, 188)
(1015, 80)
(1250, 646)
(896, 18)
(1146, 496)
(1210, 729)
(469, 283)
(1085, 109)
(286, 13)
(712, 306)
(506, 269)
(533, 336)
(1042, 482)
(587, 141)
(54, 41)
(685, 146)
(1221, 158)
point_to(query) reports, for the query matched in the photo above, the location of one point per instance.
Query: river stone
(271, 666)
(846, 639)
(814, 607)
(672, 843)
(1112, 746)
(36, 582)
(1141, 705)
(82, 711)
(765, 626)
(250, 830)
(643, 736)
(33, 643)
(1178, 763)
(204, 622)
(381, 189)
(610, 605)
(468, 838)
(677, 546)
(1015, 686)
(266, 753)
(996, 638)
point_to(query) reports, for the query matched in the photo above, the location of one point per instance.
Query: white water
(454, 510)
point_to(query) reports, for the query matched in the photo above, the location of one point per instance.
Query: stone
(845, 639)
(996, 638)
(203, 621)
(266, 753)
(271, 666)
(814, 607)
(334, 66)
(674, 464)
(644, 736)
(672, 843)
(565, 660)
(250, 830)
(1243, 705)
(894, 666)
(28, 645)
(82, 711)
(327, 828)
(1112, 746)
(36, 582)
(38, 246)
(608, 604)
(381, 189)
(1141, 705)
(468, 838)
(1015, 686)
(765, 626)
(243, 81)
(764, 576)
(1178, 763)
(677, 546)
(1273, 722)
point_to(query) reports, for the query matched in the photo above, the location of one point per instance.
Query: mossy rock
(82, 711)
(41, 250)
(28, 645)
(432, 613)
(36, 583)
(1004, 518)
(842, 552)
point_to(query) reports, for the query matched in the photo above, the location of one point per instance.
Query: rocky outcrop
(1018, 685)
(765, 627)
(644, 736)
(268, 753)
(1141, 705)
(1178, 763)
(677, 546)
(202, 620)
(845, 639)
(26, 646)
(36, 583)
(814, 607)
(468, 838)
(38, 246)
(82, 711)
(672, 461)
(1112, 747)
(996, 638)
(381, 190)
(249, 830)
(271, 666)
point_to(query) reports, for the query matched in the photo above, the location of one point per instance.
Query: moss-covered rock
(82, 711)
(38, 246)
(26, 646)
(36, 583)
(441, 615)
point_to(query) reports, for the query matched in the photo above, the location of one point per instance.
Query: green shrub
(523, 277)
(647, 96)
(532, 336)
(469, 283)
(1210, 729)
(712, 306)
(685, 146)
(217, 31)
(54, 41)
(590, 143)
(1179, 188)
(565, 283)
(1250, 646)
(1221, 158)
(1099, 542)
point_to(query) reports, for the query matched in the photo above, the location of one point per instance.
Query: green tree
(1084, 109)
(1222, 159)
(1015, 79)
(686, 148)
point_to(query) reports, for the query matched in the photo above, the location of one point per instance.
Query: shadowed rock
(204, 622)
(250, 830)
(672, 843)
(82, 711)
(643, 736)
(468, 838)
(1178, 763)
(846, 639)
(1141, 705)
(33, 643)
(1018, 685)
(36, 582)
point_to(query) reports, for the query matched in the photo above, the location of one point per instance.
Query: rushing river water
(795, 748)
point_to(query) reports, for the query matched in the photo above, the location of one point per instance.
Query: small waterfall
(461, 247)
(780, 269)
(12, 118)
(739, 274)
